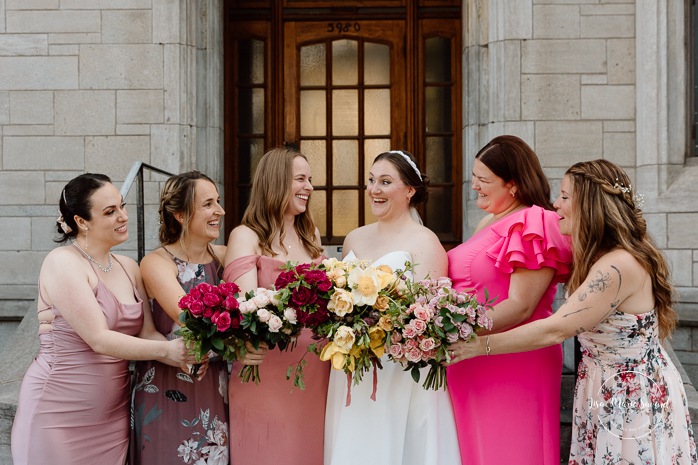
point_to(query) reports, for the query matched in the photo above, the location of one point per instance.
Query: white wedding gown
(405, 425)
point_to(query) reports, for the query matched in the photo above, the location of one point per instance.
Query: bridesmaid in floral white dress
(630, 405)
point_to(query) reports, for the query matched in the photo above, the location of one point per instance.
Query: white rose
(263, 315)
(290, 315)
(275, 324)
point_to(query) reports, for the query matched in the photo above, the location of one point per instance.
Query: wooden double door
(343, 84)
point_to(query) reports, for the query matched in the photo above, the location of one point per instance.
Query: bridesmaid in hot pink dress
(73, 402)
(507, 407)
(273, 421)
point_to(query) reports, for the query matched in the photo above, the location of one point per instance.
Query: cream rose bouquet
(437, 316)
(263, 320)
(361, 302)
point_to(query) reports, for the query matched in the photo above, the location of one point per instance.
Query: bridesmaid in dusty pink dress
(73, 402)
(273, 421)
(508, 407)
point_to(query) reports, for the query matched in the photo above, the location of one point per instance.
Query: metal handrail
(136, 174)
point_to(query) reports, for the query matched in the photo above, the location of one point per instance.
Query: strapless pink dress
(73, 406)
(273, 421)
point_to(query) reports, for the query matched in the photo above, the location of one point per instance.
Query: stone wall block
(33, 107)
(21, 267)
(681, 267)
(43, 232)
(550, 97)
(32, 4)
(621, 61)
(121, 66)
(38, 73)
(76, 38)
(656, 226)
(2, 16)
(607, 26)
(514, 20)
(608, 102)
(598, 79)
(106, 4)
(555, 21)
(166, 147)
(695, 274)
(619, 126)
(172, 83)
(626, 8)
(681, 231)
(28, 130)
(23, 44)
(13, 188)
(619, 147)
(139, 106)
(114, 155)
(563, 143)
(4, 107)
(132, 129)
(53, 21)
(15, 233)
(127, 26)
(563, 56)
(43, 153)
(167, 28)
(64, 50)
(85, 112)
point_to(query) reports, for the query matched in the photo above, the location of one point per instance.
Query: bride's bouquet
(438, 315)
(360, 304)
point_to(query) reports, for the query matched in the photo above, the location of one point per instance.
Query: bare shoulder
(156, 259)
(242, 241)
(621, 260)
(359, 237)
(129, 264)
(62, 257)
(242, 235)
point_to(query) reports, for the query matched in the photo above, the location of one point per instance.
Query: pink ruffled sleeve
(239, 267)
(531, 239)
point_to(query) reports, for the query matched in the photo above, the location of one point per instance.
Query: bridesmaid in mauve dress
(73, 402)
(508, 407)
(273, 421)
(175, 416)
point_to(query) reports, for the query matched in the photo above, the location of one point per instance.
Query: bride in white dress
(406, 424)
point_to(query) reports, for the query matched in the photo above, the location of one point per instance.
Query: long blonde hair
(269, 200)
(607, 217)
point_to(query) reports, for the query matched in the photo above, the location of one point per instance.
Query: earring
(87, 231)
(513, 194)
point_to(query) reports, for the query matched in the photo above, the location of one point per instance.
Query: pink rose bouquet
(438, 316)
(210, 315)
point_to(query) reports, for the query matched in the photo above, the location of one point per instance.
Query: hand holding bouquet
(263, 322)
(438, 316)
(209, 317)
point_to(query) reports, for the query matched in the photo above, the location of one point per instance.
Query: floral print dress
(630, 405)
(176, 418)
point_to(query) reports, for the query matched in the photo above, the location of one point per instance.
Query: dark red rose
(315, 276)
(195, 294)
(303, 296)
(208, 312)
(212, 299)
(197, 308)
(284, 279)
(231, 303)
(204, 288)
(185, 301)
(223, 321)
(300, 269)
(324, 285)
(235, 319)
(227, 289)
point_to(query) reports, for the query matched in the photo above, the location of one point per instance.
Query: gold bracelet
(487, 345)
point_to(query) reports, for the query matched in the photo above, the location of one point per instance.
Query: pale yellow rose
(334, 353)
(377, 343)
(344, 338)
(381, 303)
(337, 276)
(385, 323)
(341, 302)
(385, 269)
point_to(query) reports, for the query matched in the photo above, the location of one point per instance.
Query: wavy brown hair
(512, 159)
(269, 200)
(178, 196)
(607, 218)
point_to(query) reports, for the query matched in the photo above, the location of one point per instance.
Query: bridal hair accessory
(64, 226)
(64, 200)
(638, 199)
(409, 161)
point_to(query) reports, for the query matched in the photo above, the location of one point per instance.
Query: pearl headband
(409, 161)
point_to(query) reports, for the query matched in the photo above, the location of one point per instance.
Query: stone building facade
(94, 85)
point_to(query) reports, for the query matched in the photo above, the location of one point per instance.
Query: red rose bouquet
(210, 315)
(304, 290)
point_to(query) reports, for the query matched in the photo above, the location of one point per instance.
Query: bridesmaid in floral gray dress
(177, 418)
